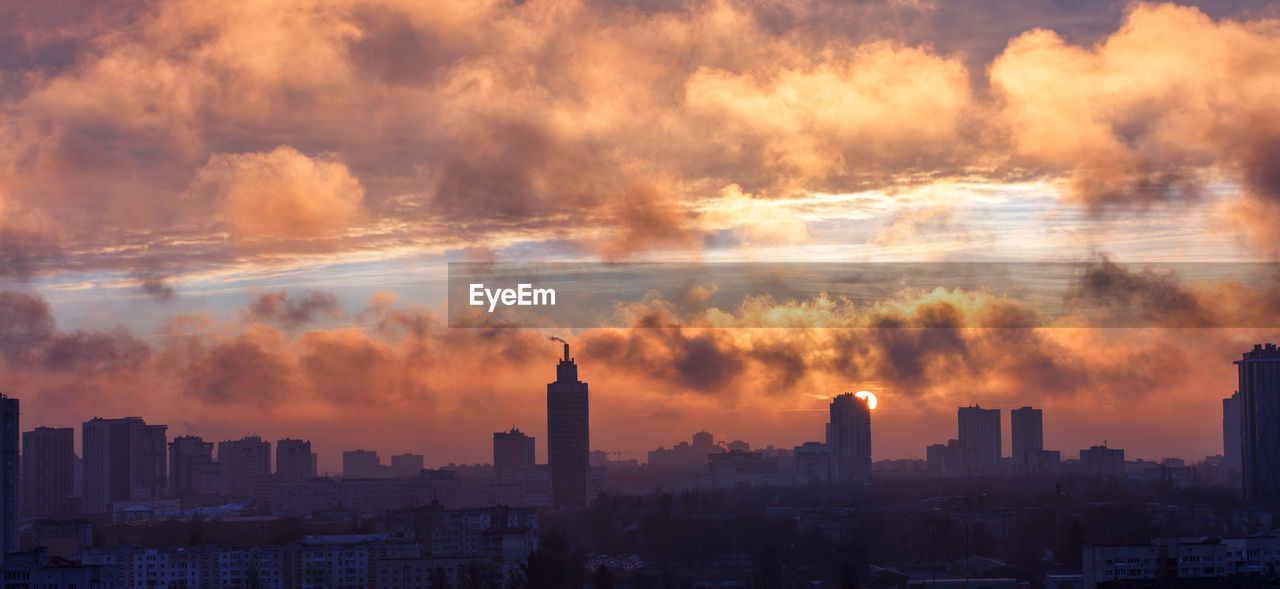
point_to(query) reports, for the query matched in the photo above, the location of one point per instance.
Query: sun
(869, 396)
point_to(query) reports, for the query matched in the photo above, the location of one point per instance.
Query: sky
(236, 218)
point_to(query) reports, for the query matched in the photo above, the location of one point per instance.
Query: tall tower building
(48, 472)
(192, 471)
(849, 440)
(1260, 424)
(1026, 427)
(512, 454)
(294, 460)
(568, 436)
(245, 463)
(9, 433)
(124, 460)
(980, 428)
(1231, 430)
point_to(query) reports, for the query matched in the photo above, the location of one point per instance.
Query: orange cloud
(283, 193)
(1169, 101)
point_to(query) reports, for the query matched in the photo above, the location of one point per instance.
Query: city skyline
(978, 427)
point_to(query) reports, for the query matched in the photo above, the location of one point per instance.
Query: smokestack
(566, 352)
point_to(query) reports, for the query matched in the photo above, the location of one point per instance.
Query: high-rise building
(512, 453)
(246, 464)
(192, 470)
(1101, 460)
(48, 472)
(9, 435)
(980, 429)
(703, 443)
(568, 436)
(849, 440)
(294, 460)
(406, 466)
(1026, 427)
(1231, 430)
(813, 463)
(361, 464)
(124, 460)
(1260, 424)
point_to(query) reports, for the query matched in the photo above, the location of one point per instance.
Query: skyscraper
(48, 477)
(1231, 430)
(294, 460)
(1260, 424)
(9, 473)
(512, 453)
(192, 471)
(124, 460)
(849, 440)
(1026, 427)
(568, 436)
(246, 464)
(980, 429)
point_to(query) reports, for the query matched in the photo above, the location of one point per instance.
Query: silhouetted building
(1044, 462)
(9, 435)
(686, 454)
(48, 472)
(751, 469)
(246, 464)
(1231, 430)
(703, 443)
(954, 458)
(1026, 428)
(192, 470)
(849, 439)
(294, 460)
(1101, 460)
(512, 452)
(813, 463)
(361, 464)
(124, 460)
(980, 429)
(568, 436)
(1260, 424)
(365, 496)
(406, 466)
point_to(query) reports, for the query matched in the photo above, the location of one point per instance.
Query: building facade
(849, 440)
(361, 464)
(1026, 430)
(246, 465)
(1259, 372)
(513, 452)
(294, 460)
(48, 477)
(9, 436)
(192, 470)
(980, 429)
(124, 460)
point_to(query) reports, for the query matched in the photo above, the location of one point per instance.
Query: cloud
(283, 193)
(292, 312)
(1152, 112)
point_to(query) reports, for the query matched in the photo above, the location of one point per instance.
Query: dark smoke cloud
(291, 312)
